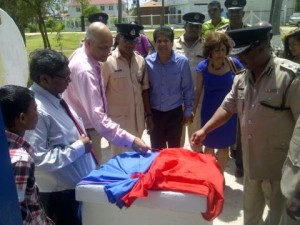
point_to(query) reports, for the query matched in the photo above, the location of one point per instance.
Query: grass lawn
(69, 41)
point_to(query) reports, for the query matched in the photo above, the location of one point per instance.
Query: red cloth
(185, 171)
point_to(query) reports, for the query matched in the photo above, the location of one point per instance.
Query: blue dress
(216, 88)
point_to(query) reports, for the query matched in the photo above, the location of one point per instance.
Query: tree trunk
(119, 11)
(162, 16)
(138, 12)
(275, 20)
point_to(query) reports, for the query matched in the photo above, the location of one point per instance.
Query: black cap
(214, 4)
(129, 31)
(194, 18)
(98, 17)
(235, 4)
(244, 38)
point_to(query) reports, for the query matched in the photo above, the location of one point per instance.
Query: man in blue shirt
(171, 90)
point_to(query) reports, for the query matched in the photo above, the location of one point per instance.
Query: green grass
(69, 41)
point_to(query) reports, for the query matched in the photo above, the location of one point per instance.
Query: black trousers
(167, 128)
(239, 153)
(61, 207)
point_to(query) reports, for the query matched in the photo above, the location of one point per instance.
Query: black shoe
(239, 173)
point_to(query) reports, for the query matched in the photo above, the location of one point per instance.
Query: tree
(297, 6)
(275, 15)
(83, 5)
(119, 11)
(21, 17)
(24, 11)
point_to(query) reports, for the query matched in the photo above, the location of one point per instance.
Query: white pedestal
(159, 208)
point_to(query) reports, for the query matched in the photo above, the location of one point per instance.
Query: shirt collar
(17, 141)
(46, 94)
(171, 59)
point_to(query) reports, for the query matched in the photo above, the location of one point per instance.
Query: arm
(198, 90)
(148, 114)
(220, 117)
(54, 147)
(187, 88)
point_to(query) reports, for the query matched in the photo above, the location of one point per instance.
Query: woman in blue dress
(215, 74)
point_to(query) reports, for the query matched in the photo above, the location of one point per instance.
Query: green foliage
(297, 6)
(89, 10)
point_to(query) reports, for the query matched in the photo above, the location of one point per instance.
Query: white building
(256, 10)
(107, 6)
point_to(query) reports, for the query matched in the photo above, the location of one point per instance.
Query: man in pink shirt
(86, 92)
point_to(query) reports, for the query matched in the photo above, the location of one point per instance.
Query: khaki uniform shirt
(291, 167)
(193, 53)
(266, 132)
(124, 84)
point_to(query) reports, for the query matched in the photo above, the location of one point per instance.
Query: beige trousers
(258, 194)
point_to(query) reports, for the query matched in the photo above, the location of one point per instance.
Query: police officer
(266, 98)
(126, 85)
(235, 14)
(290, 182)
(216, 20)
(98, 17)
(190, 45)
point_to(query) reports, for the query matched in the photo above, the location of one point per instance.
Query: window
(111, 7)
(78, 9)
(102, 7)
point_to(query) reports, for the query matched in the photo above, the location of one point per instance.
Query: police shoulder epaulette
(222, 28)
(240, 72)
(289, 65)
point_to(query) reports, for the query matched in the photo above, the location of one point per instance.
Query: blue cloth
(216, 87)
(116, 174)
(171, 84)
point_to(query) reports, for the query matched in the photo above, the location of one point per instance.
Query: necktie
(78, 126)
(101, 88)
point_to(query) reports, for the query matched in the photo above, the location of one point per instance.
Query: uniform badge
(132, 32)
(100, 18)
(197, 17)
(272, 90)
(234, 2)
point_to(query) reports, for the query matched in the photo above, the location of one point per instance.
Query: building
(256, 10)
(110, 7)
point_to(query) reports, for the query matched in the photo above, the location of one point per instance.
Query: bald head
(98, 30)
(98, 41)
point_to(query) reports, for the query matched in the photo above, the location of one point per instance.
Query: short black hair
(46, 62)
(14, 100)
(165, 31)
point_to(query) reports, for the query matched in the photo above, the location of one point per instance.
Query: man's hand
(197, 137)
(149, 124)
(87, 143)
(188, 119)
(139, 145)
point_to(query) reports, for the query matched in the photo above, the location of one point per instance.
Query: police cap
(214, 5)
(98, 17)
(245, 38)
(129, 31)
(194, 18)
(235, 4)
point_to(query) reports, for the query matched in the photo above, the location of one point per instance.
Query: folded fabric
(184, 171)
(120, 174)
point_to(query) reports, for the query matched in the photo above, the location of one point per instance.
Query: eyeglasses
(65, 76)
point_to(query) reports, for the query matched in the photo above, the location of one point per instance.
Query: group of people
(230, 96)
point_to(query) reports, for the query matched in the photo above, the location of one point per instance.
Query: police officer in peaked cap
(128, 31)
(235, 4)
(98, 17)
